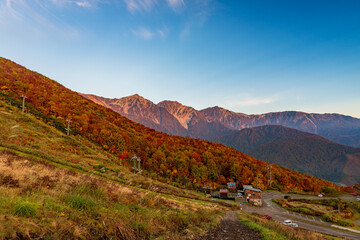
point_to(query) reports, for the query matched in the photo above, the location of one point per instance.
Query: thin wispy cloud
(176, 5)
(134, 6)
(255, 102)
(144, 6)
(45, 16)
(147, 34)
(248, 101)
(38, 16)
(185, 33)
(143, 33)
(163, 32)
(84, 4)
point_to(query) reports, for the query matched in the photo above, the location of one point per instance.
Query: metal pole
(68, 126)
(270, 175)
(23, 103)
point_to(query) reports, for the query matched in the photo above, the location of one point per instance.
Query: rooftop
(251, 188)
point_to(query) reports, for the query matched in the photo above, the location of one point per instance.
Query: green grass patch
(337, 221)
(267, 233)
(26, 209)
(80, 202)
(272, 230)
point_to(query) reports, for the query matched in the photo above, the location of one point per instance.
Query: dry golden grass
(75, 205)
(315, 207)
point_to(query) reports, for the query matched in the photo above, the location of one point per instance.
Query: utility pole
(269, 174)
(137, 167)
(68, 126)
(23, 103)
(134, 159)
(257, 181)
(139, 164)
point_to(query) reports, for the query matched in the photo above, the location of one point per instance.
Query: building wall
(253, 197)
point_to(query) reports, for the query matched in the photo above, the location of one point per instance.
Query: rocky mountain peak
(183, 114)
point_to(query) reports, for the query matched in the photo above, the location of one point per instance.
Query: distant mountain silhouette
(301, 151)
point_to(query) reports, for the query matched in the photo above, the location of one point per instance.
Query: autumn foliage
(182, 161)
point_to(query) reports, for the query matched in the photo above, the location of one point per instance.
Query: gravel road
(230, 228)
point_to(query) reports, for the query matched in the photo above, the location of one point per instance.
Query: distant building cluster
(248, 192)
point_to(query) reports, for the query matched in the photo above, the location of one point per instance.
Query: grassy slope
(40, 199)
(24, 133)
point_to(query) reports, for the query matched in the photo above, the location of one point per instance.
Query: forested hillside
(301, 151)
(182, 161)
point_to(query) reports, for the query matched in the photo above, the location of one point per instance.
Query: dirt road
(231, 228)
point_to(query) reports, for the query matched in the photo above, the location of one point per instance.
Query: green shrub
(333, 219)
(148, 200)
(134, 207)
(306, 211)
(142, 230)
(91, 189)
(356, 206)
(80, 202)
(26, 209)
(330, 191)
(180, 220)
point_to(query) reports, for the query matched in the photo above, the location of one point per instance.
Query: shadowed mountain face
(211, 123)
(301, 151)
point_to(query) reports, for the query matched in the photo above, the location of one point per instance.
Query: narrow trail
(230, 228)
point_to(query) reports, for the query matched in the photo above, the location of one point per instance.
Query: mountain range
(311, 143)
(174, 118)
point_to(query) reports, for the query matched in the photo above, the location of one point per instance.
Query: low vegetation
(272, 230)
(336, 211)
(26, 135)
(42, 201)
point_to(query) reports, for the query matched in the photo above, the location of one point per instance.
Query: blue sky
(246, 56)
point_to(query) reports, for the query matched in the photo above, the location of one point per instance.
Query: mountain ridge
(199, 123)
(301, 151)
